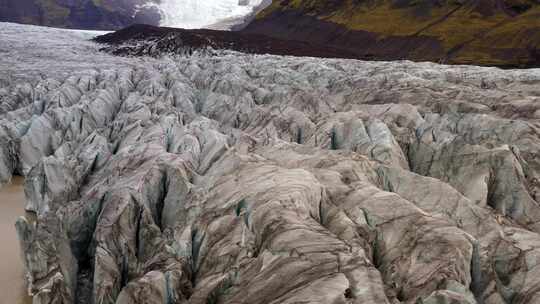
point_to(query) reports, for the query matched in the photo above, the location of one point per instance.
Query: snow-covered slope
(191, 14)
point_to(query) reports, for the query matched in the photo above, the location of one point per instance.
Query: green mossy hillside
(491, 32)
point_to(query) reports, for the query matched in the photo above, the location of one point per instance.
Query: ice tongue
(191, 14)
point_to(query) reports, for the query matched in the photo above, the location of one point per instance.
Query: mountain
(82, 14)
(217, 14)
(115, 14)
(483, 32)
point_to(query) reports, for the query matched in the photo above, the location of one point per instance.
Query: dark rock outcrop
(147, 40)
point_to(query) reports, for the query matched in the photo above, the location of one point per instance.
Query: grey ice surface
(237, 178)
(29, 51)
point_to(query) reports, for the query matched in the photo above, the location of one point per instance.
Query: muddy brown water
(12, 287)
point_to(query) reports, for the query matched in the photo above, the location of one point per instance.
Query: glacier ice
(238, 178)
(192, 14)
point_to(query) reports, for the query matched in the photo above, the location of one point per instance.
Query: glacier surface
(193, 14)
(238, 178)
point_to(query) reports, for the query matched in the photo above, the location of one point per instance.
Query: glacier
(240, 178)
(216, 14)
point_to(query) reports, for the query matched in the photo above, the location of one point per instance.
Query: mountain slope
(484, 32)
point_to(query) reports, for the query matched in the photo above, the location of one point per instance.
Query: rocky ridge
(146, 40)
(236, 178)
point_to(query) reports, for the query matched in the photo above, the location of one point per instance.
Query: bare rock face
(239, 178)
